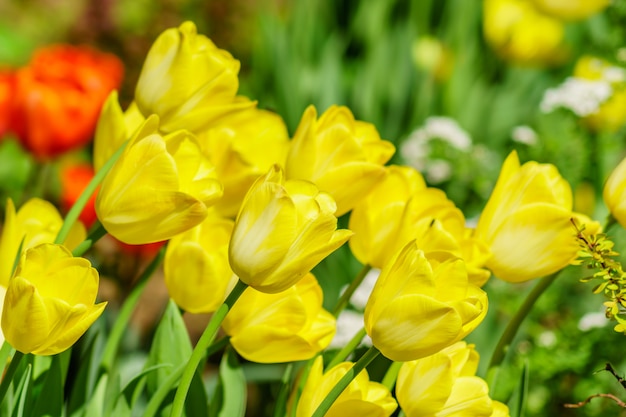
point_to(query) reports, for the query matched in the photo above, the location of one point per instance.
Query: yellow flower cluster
(532, 32)
(192, 162)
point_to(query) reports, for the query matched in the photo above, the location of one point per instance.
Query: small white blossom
(592, 320)
(349, 323)
(416, 149)
(438, 171)
(362, 293)
(525, 135)
(580, 95)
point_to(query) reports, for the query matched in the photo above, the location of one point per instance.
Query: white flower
(362, 293)
(580, 95)
(349, 323)
(525, 135)
(592, 320)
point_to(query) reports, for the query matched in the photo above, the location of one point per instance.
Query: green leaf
(23, 392)
(50, 400)
(520, 396)
(128, 392)
(170, 346)
(232, 377)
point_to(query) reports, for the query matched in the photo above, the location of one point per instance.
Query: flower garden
(313, 208)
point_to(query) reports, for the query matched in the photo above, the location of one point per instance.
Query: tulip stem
(97, 232)
(511, 329)
(203, 344)
(121, 322)
(81, 202)
(347, 349)
(347, 294)
(336, 391)
(389, 380)
(10, 372)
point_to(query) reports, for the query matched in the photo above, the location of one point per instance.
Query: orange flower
(7, 87)
(74, 179)
(58, 97)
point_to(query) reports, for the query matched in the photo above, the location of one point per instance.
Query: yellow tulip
(113, 129)
(400, 209)
(611, 114)
(242, 147)
(363, 398)
(284, 229)
(571, 9)
(187, 81)
(50, 300)
(519, 32)
(376, 219)
(285, 327)
(159, 187)
(342, 156)
(420, 306)
(526, 222)
(614, 193)
(37, 221)
(197, 274)
(444, 384)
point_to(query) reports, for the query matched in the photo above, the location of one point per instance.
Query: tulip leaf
(170, 346)
(51, 404)
(129, 391)
(95, 406)
(23, 391)
(520, 396)
(231, 391)
(82, 381)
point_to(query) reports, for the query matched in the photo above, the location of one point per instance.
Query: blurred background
(454, 84)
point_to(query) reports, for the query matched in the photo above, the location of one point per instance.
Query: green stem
(8, 376)
(121, 323)
(199, 351)
(347, 349)
(389, 380)
(515, 323)
(81, 202)
(347, 294)
(283, 394)
(96, 234)
(336, 391)
(159, 395)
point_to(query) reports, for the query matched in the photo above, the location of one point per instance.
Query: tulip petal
(424, 385)
(414, 326)
(22, 301)
(469, 396)
(73, 330)
(541, 233)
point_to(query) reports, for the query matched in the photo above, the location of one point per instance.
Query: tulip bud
(400, 209)
(363, 398)
(159, 187)
(113, 129)
(571, 9)
(187, 81)
(37, 221)
(419, 307)
(242, 147)
(519, 32)
(284, 229)
(445, 384)
(50, 300)
(284, 327)
(197, 274)
(614, 193)
(527, 222)
(342, 156)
